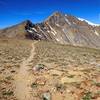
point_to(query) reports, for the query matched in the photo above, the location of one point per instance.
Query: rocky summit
(58, 28)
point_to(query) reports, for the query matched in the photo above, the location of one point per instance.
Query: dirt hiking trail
(23, 78)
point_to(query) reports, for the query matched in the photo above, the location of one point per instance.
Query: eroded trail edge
(23, 78)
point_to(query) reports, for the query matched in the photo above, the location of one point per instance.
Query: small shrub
(8, 93)
(60, 87)
(87, 96)
(97, 84)
(9, 78)
(70, 76)
(33, 85)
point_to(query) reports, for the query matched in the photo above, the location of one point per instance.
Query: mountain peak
(59, 28)
(57, 13)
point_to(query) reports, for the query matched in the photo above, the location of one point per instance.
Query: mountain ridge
(58, 28)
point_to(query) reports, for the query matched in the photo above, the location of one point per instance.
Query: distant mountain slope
(59, 28)
(16, 31)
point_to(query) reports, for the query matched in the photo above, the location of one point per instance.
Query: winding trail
(23, 79)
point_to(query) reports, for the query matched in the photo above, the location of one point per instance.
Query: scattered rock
(97, 65)
(60, 87)
(46, 96)
(39, 67)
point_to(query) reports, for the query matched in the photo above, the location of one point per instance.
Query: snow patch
(90, 23)
(30, 31)
(53, 33)
(34, 29)
(57, 25)
(45, 28)
(48, 31)
(67, 21)
(57, 39)
(97, 33)
(52, 30)
(74, 23)
(64, 30)
(66, 15)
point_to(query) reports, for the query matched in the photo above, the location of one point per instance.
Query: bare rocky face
(59, 28)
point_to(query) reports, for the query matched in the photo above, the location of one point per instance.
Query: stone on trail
(38, 67)
(46, 96)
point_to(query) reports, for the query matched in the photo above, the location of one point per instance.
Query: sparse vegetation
(8, 93)
(97, 84)
(66, 55)
(12, 53)
(9, 78)
(71, 76)
(64, 71)
(34, 85)
(87, 96)
(70, 70)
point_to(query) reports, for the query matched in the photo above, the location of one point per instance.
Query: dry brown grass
(71, 72)
(12, 53)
